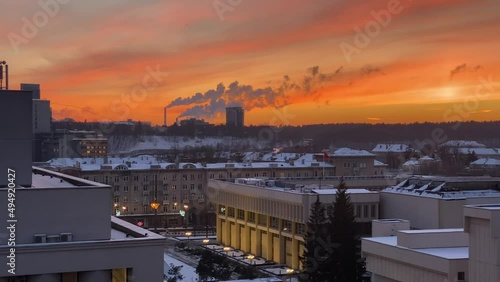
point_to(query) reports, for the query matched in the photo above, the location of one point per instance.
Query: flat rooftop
(445, 253)
(45, 179)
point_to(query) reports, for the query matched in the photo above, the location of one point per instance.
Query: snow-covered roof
(412, 162)
(378, 163)
(479, 151)
(462, 143)
(385, 148)
(446, 253)
(279, 157)
(348, 191)
(486, 161)
(347, 152)
(146, 162)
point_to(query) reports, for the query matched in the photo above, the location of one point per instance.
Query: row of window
(145, 199)
(192, 187)
(286, 225)
(360, 165)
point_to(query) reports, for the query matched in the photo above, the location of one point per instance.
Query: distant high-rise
(35, 88)
(235, 116)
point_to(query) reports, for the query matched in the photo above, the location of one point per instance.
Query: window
(287, 225)
(125, 199)
(200, 176)
(461, 276)
(365, 211)
(184, 187)
(145, 188)
(230, 212)
(192, 176)
(212, 176)
(136, 178)
(174, 207)
(192, 186)
(241, 214)
(165, 208)
(145, 178)
(145, 209)
(174, 177)
(174, 187)
(117, 188)
(262, 220)
(247, 175)
(301, 228)
(125, 188)
(117, 179)
(220, 175)
(136, 188)
(125, 178)
(373, 210)
(165, 197)
(222, 210)
(264, 174)
(184, 177)
(251, 217)
(275, 222)
(200, 186)
(116, 200)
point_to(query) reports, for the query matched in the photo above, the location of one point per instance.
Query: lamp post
(206, 241)
(116, 209)
(250, 258)
(186, 207)
(154, 206)
(226, 249)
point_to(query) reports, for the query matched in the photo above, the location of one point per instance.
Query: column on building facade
(258, 241)
(95, 276)
(218, 230)
(295, 247)
(54, 277)
(238, 235)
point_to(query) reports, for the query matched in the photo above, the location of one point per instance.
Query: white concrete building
(440, 255)
(50, 234)
(436, 202)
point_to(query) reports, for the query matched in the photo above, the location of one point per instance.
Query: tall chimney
(165, 116)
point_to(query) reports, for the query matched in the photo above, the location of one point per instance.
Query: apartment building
(350, 162)
(179, 188)
(268, 218)
(78, 143)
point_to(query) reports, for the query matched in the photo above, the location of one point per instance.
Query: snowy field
(189, 272)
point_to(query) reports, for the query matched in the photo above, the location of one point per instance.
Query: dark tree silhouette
(346, 262)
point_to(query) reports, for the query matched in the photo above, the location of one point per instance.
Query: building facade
(269, 221)
(235, 117)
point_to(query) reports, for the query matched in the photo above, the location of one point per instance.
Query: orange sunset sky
(433, 60)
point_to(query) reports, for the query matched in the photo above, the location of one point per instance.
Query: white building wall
(391, 270)
(483, 252)
(422, 212)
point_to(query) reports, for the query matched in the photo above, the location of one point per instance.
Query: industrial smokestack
(165, 116)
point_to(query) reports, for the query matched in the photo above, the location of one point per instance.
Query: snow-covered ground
(189, 272)
(130, 144)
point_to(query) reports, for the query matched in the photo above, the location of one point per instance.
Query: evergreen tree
(316, 251)
(213, 266)
(174, 273)
(346, 263)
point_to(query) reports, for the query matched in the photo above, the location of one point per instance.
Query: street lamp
(154, 206)
(188, 234)
(186, 207)
(227, 249)
(250, 258)
(206, 241)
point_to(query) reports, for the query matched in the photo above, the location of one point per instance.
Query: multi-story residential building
(437, 255)
(349, 162)
(235, 117)
(180, 188)
(82, 144)
(431, 202)
(394, 155)
(268, 218)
